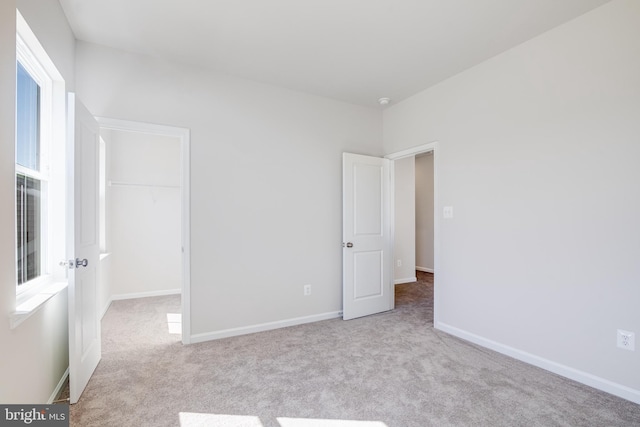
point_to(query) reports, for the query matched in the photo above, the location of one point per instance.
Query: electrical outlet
(626, 340)
(307, 290)
(447, 212)
(399, 263)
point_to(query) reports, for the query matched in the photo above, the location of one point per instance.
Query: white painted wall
(539, 150)
(104, 283)
(34, 356)
(266, 197)
(405, 218)
(144, 213)
(104, 272)
(424, 212)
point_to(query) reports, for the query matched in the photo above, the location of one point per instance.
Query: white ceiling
(353, 50)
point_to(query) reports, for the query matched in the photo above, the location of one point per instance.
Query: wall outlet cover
(626, 340)
(447, 212)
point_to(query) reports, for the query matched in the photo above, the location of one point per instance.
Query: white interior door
(83, 246)
(366, 216)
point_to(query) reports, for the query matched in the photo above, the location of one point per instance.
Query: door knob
(81, 262)
(349, 245)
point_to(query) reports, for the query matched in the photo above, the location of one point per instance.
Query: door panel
(368, 270)
(89, 323)
(367, 262)
(83, 247)
(368, 212)
(88, 184)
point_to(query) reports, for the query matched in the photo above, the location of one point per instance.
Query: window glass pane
(28, 228)
(27, 120)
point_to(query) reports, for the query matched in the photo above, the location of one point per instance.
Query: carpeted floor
(390, 370)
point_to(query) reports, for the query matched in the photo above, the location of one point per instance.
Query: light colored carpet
(390, 370)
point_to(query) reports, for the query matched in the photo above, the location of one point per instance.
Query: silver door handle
(81, 262)
(349, 245)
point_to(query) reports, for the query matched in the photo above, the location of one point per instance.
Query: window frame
(34, 67)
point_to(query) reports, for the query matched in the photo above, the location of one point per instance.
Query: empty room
(288, 213)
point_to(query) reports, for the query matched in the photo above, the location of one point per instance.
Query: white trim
(245, 330)
(392, 232)
(185, 157)
(58, 388)
(549, 365)
(405, 280)
(184, 135)
(424, 148)
(30, 39)
(134, 295)
(29, 307)
(141, 127)
(31, 289)
(425, 269)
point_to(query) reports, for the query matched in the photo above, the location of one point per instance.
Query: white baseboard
(405, 280)
(549, 365)
(425, 269)
(146, 294)
(245, 330)
(56, 392)
(137, 295)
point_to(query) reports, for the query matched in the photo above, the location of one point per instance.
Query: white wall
(405, 217)
(424, 212)
(104, 271)
(266, 196)
(144, 213)
(104, 283)
(34, 356)
(538, 155)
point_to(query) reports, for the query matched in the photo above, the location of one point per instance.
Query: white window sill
(29, 307)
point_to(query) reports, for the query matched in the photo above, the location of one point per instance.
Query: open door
(366, 231)
(82, 246)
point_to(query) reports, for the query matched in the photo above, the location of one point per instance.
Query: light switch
(447, 212)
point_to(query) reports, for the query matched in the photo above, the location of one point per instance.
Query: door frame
(432, 147)
(184, 135)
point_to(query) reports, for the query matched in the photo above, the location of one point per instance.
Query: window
(40, 176)
(29, 180)
(39, 191)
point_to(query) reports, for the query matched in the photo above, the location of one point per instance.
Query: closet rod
(132, 184)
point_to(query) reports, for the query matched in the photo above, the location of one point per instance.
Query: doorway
(406, 229)
(145, 203)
